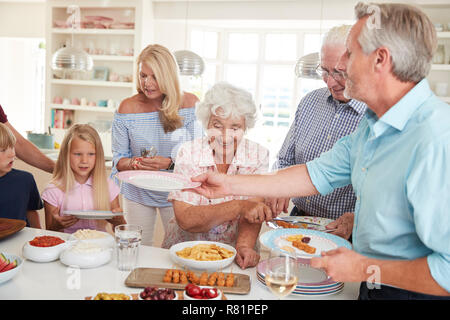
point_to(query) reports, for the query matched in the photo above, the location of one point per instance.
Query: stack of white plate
(311, 282)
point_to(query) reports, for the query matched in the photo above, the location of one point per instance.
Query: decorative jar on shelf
(439, 56)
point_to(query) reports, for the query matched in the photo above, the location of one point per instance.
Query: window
(22, 82)
(262, 62)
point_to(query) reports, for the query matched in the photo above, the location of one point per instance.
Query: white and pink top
(196, 157)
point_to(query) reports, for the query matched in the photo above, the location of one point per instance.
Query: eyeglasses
(336, 75)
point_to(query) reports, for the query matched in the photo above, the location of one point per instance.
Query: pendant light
(189, 63)
(70, 58)
(306, 66)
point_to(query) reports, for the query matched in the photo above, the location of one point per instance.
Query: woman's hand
(246, 257)
(255, 212)
(153, 164)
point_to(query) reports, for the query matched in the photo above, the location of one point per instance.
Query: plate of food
(156, 180)
(93, 236)
(155, 293)
(303, 243)
(203, 255)
(9, 266)
(300, 222)
(44, 248)
(10, 226)
(112, 296)
(178, 279)
(93, 214)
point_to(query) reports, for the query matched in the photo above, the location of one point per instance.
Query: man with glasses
(323, 117)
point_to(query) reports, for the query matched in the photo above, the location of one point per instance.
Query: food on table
(153, 293)
(304, 246)
(196, 292)
(111, 296)
(179, 276)
(285, 224)
(46, 241)
(85, 234)
(205, 252)
(5, 264)
(301, 242)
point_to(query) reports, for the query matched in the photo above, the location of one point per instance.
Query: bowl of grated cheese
(96, 237)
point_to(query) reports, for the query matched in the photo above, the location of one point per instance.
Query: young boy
(19, 196)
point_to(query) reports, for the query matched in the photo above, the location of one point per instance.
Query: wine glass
(281, 273)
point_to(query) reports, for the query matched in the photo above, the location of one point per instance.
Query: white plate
(7, 275)
(201, 265)
(42, 254)
(156, 180)
(86, 260)
(93, 214)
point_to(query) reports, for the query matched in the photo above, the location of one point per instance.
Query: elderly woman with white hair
(226, 113)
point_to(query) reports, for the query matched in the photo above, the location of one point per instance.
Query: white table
(56, 281)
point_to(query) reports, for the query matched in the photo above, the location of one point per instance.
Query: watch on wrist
(172, 164)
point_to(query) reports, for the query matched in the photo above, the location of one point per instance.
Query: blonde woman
(80, 183)
(160, 115)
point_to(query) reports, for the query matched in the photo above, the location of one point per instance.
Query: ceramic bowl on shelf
(42, 254)
(12, 270)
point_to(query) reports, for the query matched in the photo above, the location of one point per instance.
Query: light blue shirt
(399, 166)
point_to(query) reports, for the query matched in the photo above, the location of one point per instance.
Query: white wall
(22, 19)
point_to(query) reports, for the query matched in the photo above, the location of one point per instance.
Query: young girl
(80, 183)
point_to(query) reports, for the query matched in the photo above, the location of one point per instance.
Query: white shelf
(440, 67)
(95, 83)
(82, 108)
(97, 57)
(130, 32)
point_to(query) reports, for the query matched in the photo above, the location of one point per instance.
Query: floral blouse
(196, 157)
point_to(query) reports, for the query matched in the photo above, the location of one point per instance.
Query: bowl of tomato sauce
(44, 248)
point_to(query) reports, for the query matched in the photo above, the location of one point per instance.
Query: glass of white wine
(281, 273)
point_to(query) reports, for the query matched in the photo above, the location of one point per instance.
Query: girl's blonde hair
(165, 68)
(63, 176)
(7, 138)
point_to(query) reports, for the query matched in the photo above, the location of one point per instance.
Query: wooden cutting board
(10, 226)
(153, 277)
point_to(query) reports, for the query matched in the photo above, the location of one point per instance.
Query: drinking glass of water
(128, 239)
(282, 273)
